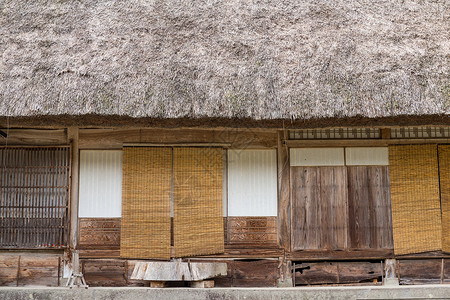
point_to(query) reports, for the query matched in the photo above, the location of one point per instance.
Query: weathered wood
(177, 271)
(157, 284)
(424, 271)
(255, 273)
(73, 135)
(337, 273)
(114, 138)
(252, 230)
(104, 272)
(319, 199)
(284, 202)
(321, 255)
(99, 233)
(39, 137)
(385, 133)
(9, 268)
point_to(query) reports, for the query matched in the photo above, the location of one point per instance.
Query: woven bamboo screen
(416, 213)
(444, 175)
(146, 196)
(198, 218)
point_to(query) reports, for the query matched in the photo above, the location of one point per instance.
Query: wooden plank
(99, 233)
(9, 265)
(252, 230)
(358, 272)
(316, 273)
(446, 271)
(360, 214)
(337, 209)
(284, 203)
(320, 255)
(238, 138)
(380, 193)
(255, 273)
(35, 137)
(305, 198)
(426, 271)
(104, 272)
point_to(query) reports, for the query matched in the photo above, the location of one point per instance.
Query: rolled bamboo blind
(146, 196)
(444, 176)
(198, 218)
(416, 212)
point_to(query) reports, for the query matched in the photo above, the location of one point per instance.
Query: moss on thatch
(311, 59)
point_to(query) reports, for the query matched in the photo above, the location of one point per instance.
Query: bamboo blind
(416, 214)
(146, 196)
(444, 175)
(34, 196)
(198, 218)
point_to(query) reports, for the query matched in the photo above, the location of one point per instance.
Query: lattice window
(335, 134)
(420, 132)
(34, 193)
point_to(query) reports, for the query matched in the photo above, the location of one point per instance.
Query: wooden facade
(333, 223)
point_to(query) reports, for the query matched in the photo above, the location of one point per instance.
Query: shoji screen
(100, 184)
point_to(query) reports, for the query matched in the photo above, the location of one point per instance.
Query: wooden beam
(241, 138)
(321, 255)
(34, 137)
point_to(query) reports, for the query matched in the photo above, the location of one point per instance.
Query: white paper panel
(252, 183)
(309, 157)
(365, 156)
(100, 183)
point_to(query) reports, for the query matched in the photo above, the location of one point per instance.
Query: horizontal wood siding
(338, 273)
(421, 271)
(26, 269)
(252, 230)
(99, 233)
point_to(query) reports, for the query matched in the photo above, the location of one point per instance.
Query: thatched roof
(288, 59)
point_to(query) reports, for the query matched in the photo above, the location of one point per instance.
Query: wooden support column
(284, 205)
(284, 209)
(74, 176)
(390, 272)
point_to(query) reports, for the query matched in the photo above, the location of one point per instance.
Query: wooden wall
(341, 208)
(22, 269)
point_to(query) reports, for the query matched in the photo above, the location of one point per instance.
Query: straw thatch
(252, 59)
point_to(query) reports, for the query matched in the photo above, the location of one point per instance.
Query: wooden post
(73, 227)
(284, 209)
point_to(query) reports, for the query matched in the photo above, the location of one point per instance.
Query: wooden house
(299, 143)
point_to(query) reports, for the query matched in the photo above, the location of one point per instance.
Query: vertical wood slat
(319, 199)
(30, 196)
(416, 211)
(145, 223)
(369, 207)
(198, 208)
(444, 177)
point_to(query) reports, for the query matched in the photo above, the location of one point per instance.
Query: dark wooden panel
(370, 221)
(446, 271)
(358, 272)
(252, 230)
(255, 273)
(319, 199)
(99, 233)
(420, 271)
(338, 273)
(105, 272)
